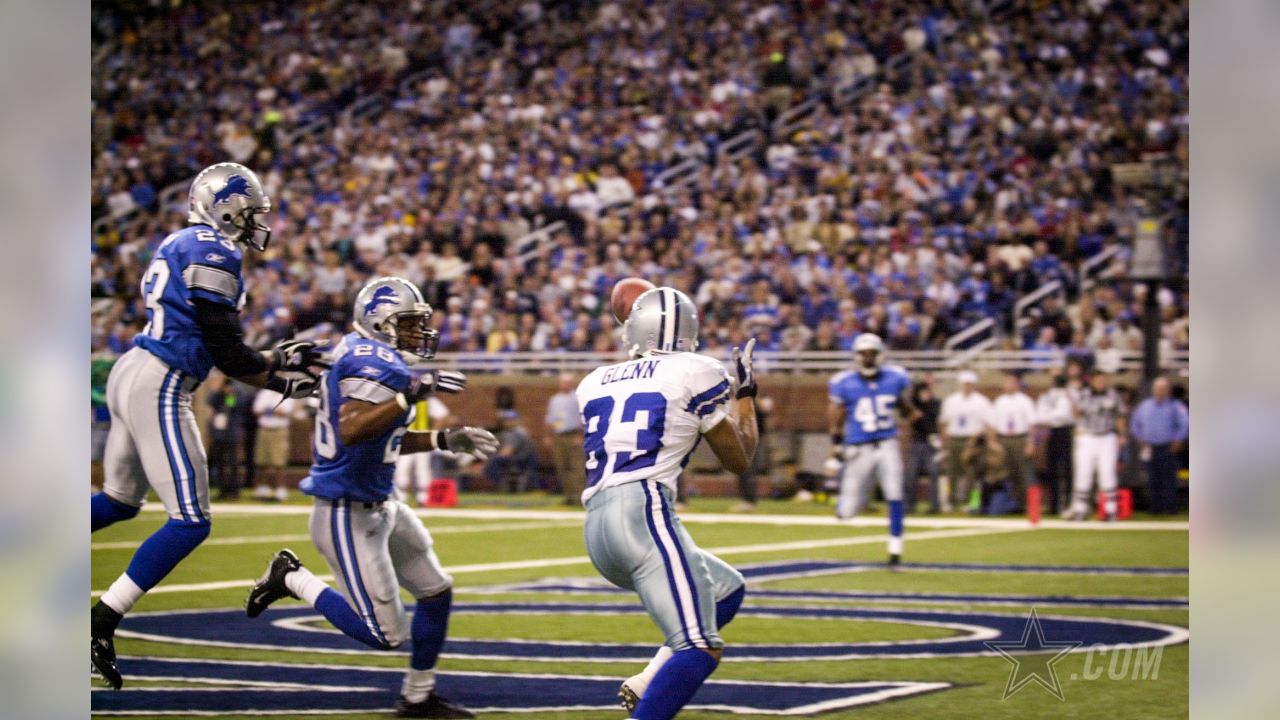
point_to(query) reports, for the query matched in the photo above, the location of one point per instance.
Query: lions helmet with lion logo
(227, 197)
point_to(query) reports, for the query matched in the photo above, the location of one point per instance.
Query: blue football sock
(105, 511)
(896, 511)
(728, 607)
(161, 553)
(430, 622)
(675, 684)
(336, 610)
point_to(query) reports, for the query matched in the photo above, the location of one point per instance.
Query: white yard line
(271, 539)
(583, 559)
(233, 509)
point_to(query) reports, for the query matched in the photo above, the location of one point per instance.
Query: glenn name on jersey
(366, 370)
(870, 402)
(643, 418)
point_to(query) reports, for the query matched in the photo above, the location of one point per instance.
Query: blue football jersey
(871, 404)
(364, 370)
(194, 262)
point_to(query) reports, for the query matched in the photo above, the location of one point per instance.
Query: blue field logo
(385, 295)
(236, 185)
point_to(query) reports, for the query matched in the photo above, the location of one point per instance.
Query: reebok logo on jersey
(214, 258)
(236, 185)
(369, 370)
(382, 296)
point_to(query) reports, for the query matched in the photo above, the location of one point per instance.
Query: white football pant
(861, 462)
(1095, 453)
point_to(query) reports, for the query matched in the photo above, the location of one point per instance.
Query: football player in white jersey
(641, 421)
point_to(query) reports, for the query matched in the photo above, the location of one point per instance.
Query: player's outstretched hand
(473, 441)
(294, 384)
(435, 381)
(746, 376)
(298, 356)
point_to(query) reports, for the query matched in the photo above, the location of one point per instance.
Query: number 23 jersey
(365, 370)
(643, 418)
(870, 404)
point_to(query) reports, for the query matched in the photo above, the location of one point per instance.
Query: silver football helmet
(868, 349)
(662, 320)
(226, 196)
(391, 310)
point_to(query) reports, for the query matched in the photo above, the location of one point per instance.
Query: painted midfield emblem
(1033, 661)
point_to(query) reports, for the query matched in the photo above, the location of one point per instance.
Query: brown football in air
(624, 295)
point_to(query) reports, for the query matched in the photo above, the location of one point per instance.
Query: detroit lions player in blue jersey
(193, 291)
(864, 430)
(373, 543)
(642, 420)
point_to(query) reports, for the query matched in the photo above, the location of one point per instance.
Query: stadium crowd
(973, 166)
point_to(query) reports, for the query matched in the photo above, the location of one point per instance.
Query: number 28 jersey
(870, 403)
(366, 370)
(643, 418)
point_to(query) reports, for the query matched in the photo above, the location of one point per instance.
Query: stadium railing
(943, 362)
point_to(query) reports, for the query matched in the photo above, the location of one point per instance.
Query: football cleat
(631, 692)
(895, 562)
(435, 706)
(102, 653)
(271, 586)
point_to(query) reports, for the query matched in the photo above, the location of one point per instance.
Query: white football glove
(742, 364)
(435, 381)
(473, 441)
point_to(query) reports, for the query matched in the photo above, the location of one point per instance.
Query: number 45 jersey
(371, 371)
(643, 418)
(871, 403)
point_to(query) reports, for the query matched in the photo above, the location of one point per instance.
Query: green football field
(813, 584)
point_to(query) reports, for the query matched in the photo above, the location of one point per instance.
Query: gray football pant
(636, 542)
(374, 549)
(154, 441)
(861, 462)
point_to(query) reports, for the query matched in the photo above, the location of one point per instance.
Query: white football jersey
(641, 419)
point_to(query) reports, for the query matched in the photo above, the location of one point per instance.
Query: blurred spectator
(984, 460)
(965, 416)
(414, 471)
(1160, 426)
(100, 366)
(923, 445)
(1055, 415)
(516, 462)
(271, 452)
(565, 425)
(226, 439)
(1012, 415)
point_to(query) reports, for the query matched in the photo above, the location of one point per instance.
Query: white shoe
(803, 496)
(262, 492)
(282, 494)
(631, 691)
(743, 507)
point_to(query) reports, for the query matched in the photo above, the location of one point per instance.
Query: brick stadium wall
(799, 405)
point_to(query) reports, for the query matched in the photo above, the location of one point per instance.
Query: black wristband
(837, 439)
(439, 441)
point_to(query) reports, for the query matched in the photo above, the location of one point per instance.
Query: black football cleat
(435, 706)
(895, 562)
(102, 653)
(271, 587)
